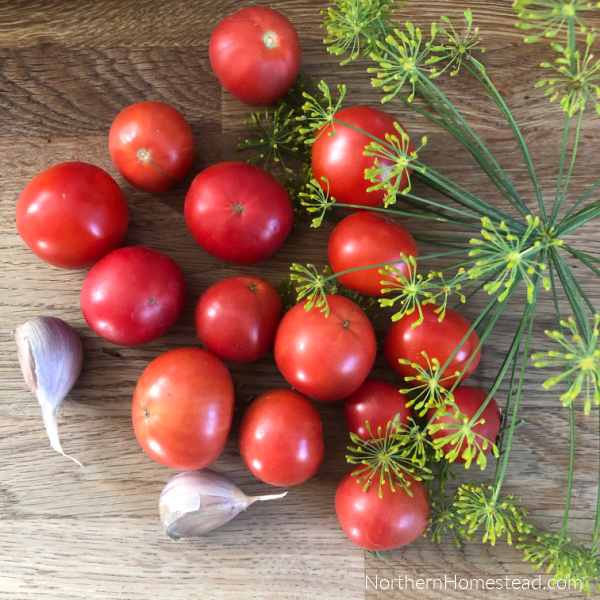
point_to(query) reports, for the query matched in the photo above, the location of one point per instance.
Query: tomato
(182, 408)
(236, 318)
(337, 155)
(379, 524)
(438, 340)
(238, 212)
(378, 403)
(72, 214)
(281, 438)
(327, 358)
(255, 53)
(151, 145)
(467, 401)
(133, 295)
(363, 239)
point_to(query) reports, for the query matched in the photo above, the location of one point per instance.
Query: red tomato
(133, 295)
(151, 145)
(378, 403)
(363, 239)
(379, 524)
(183, 408)
(255, 53)
(327, 358)
(339, 157)
(438, 340)
(467, 401)
(72, 214)
(238, 212)
(281, 438)
(236, 318)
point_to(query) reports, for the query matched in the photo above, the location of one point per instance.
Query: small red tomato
(72, 214)
(467, 401)
(379, 524)
(182, 408)
(338, 155)
(238, 212)
(151, 145)
(363, 239)
(281, 438)
(378, 403)
(437, 340)
(325, 357)
(255, 53)
(133, 295)
(236, 318)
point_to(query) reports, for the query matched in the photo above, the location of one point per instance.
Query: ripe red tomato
(363, 239)
(236, 318)
(339, 157)
(281, 438)
(133, 295)
(379, 524)
(238, 212)
(151, 145)
(327, 358)
(255, 53)
(468, 400)
(182, 408)
(438, 340)
(72, 214)
(378, 403)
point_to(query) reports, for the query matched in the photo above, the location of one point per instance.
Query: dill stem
(559, 200)
(530, 312)
(597, 520)
(565, 520)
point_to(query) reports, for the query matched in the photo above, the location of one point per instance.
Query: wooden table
(66, 70)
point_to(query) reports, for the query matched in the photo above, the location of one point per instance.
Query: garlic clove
(51, 357)
(196, 502)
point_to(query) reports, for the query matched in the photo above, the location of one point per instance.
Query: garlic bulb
(51, 356)
(195, 502)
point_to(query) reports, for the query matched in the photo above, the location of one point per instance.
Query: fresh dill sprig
(355, 26)
(580, 361)
(456, 48)
(547, 18)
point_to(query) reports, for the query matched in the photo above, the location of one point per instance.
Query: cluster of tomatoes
(75, 216)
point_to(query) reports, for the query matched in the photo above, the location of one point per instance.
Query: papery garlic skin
(196, 502)
(51, 357)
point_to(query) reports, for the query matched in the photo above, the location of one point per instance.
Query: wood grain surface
(66, 70)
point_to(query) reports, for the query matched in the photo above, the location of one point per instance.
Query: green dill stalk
(565, 520)
(500, 475)
(560, 198)
(597, 519)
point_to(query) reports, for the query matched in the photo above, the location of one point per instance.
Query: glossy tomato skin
(255, 53)
(151, 145)
(468, 400)
(238, 212)
(327, 358)
(236, 318)
(378, 403)
(183, 407)
(133, 295)
(379, 524)
(438, 340)
(72, 214)
(339, 157)
(281, 438)
(362, 239)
